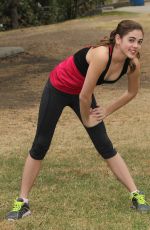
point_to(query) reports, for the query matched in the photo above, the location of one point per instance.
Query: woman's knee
(101, 141)
(107, 154)
(38, 152)
(105, 148)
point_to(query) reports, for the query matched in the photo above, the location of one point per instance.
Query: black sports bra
(82, 65)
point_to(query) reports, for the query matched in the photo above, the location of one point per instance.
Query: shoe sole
(139, 210)
(26, 214)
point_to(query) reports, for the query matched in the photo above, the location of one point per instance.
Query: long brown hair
(123, 28)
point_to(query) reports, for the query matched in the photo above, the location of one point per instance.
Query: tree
(23, 13)
(13, 7)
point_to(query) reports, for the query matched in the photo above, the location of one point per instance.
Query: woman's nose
(136, 45)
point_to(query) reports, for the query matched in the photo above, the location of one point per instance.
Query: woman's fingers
(98, 113)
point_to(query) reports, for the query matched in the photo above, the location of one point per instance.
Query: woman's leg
(104, 146)
(52, 104)
(120, 170)
(30, 172)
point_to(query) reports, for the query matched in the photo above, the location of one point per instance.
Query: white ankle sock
(134, 192)
(25, 200)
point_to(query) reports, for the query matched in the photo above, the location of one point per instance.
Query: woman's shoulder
(100, 53)
(136, 63)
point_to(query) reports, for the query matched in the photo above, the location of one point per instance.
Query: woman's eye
(140, 42)
(131, 40)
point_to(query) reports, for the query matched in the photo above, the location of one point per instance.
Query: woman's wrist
(107, 112)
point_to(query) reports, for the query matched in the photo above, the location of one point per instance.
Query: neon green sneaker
(139, 203)
(20, 210)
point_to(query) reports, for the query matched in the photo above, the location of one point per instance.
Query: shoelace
(17, 205)
(140, 198)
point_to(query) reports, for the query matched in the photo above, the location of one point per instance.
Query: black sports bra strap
(125, 67)
(108, 64)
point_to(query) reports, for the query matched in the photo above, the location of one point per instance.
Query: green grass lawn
(74, 193)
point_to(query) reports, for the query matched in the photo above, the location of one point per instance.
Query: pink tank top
(69, 75)
(66, 77)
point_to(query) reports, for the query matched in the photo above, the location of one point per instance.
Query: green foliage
(32, 12)
(4, 19)
(27, 13)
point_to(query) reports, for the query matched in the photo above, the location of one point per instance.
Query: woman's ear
(117, 39)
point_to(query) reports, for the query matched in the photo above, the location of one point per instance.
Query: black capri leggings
(52, 104)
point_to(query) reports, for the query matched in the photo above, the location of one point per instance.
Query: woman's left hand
(99, 112)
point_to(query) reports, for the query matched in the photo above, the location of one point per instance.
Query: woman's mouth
(133, 52)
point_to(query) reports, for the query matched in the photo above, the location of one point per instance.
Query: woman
(71, 83)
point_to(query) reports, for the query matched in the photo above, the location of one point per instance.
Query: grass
(74, 194)
(75, 190)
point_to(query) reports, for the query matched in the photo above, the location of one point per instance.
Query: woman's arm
(130, 93)
(97, 63)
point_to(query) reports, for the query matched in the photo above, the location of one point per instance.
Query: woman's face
(130, 44)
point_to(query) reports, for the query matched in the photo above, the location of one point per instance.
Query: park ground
(75, 190)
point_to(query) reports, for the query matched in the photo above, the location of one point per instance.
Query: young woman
(71, 83)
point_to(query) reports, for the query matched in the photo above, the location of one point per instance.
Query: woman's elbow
(132, 95)
(83, 98)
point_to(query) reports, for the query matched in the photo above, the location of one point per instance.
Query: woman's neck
(118, 56)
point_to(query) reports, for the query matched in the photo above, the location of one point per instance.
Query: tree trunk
(76, 8)
(13, 6)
